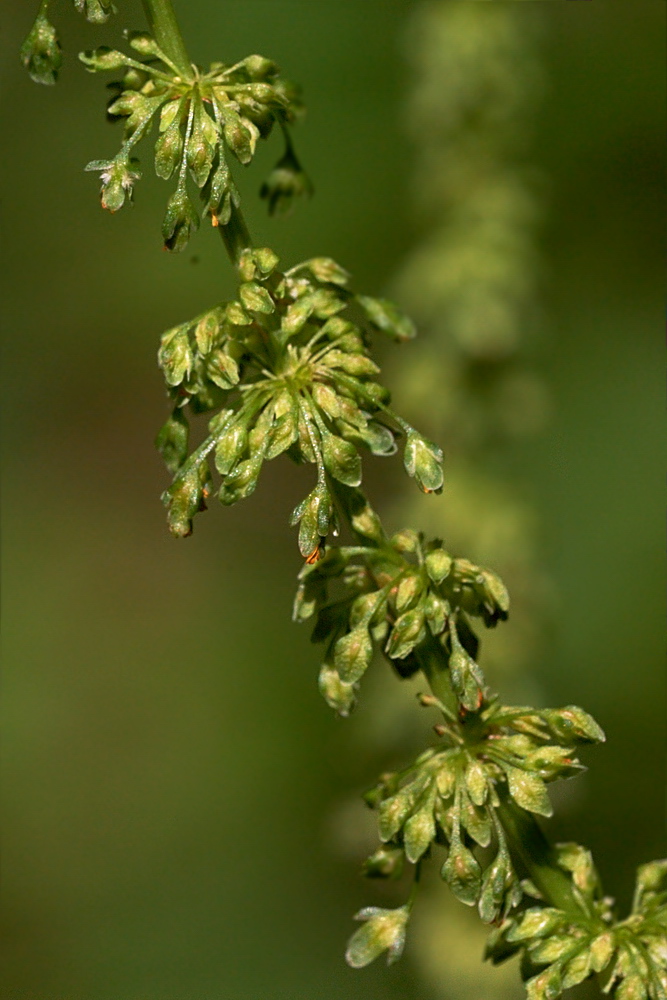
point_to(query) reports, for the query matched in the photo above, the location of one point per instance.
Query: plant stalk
(164, 27)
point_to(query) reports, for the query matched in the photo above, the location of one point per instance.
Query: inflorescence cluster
(286, 368)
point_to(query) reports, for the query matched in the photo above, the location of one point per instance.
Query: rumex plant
(287, 367)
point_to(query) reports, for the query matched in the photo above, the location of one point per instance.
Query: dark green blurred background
(170, 770)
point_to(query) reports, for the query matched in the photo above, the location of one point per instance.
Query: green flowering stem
(164, 27)
(532, 850)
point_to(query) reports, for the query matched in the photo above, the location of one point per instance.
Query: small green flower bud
(497, 879)
(475, 819)
(184, 498)
(436, 610)
(207, 329)
(467, 678)
(172, 440)
(495, 592)
(446, 779)
(383, 931)
(393, 813)
(551, 949)
(175, 356)
(241, 482)
(367, 608)
(103, 58)
(169, 150)
(341, 459)
(259, 68)
(338, 694)
(546, 986)
(408, 591)
(423, 462)
(118, 177)
(572, 724)
(462, 873)
(358, 365)
(40, 52)
(632, 987)
(230, 447)
(378, 439)
(202, 145)
(180, 222)
(438, 564)
(144, 44)
(528, 791)
(222, 194)
(387, 862)
(255, 298)
(326, 399)
(328, 271)
(366, 522)
(418, 832)
(538, 921)
(96, 11)
(386, 317)
(476, 782)
(286, 182)
(408, 631)
(240, 134)
(222, 369)
(353, 653)
(577, 969)
(405, 541)
(602, 950)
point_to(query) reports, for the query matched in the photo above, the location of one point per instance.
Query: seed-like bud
(103, 58)
(419, 831)
(384, 315)
(337, 693)
(423, 461)
(180, 222)
(40, 52)
(286, 182)
(462, 873)
(240, 134)
(384, 930)
(172, 440)
(353, 653)
(438, 564)
(175, 356)
(387, 862)
(341, 459)
(408, 631)
(96, 11)
(118, 177)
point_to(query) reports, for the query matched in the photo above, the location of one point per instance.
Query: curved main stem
(164, 27)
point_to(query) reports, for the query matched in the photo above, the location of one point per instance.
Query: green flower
(384, 930)
(287, 181)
